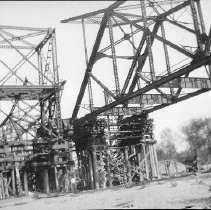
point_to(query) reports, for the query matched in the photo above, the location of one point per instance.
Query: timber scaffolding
(35, 148)
(104, 166)
(136, 34)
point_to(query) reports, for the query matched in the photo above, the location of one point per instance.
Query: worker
(25, 81)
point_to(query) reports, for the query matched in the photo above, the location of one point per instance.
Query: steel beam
(148, 41)
(143, 59)
(103, 86)
(86, 59)
(182, 98)
(158, 83)
(113, 51)
(150, 99)
(121, 111)
(172, 45)
(90, 65)
(91, 14)
(196, 25)
(187, 82)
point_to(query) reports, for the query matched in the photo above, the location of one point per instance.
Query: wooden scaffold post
(145, 160)
(46, 180)
(25, 181)
(91, 169)
(95, 168)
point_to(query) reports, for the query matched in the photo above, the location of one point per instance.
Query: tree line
(197, 136)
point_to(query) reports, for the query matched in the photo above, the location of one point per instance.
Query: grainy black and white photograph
(105, 104)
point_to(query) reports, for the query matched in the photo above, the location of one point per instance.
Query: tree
(166, 148)
(198, 136)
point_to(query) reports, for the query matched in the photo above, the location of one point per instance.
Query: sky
(71, 55)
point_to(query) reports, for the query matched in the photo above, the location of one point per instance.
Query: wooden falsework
(110, 166)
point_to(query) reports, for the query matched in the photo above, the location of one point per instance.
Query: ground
(184, 192)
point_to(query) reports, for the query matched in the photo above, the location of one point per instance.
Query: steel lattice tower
(31, 127)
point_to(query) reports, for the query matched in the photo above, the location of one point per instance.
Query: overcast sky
(71, 54)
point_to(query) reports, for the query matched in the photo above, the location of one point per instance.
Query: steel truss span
(146, 55)
(31, 127)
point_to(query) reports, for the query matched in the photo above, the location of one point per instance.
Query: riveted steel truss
(31, 127)
(147, 55)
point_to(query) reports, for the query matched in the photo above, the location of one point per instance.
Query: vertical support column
(18, 181)
(103, 169)
(95, 169)
(139, 164)
(152, 163)
(145, 160)
(201, 17)
(196, 25)
(128, 165)
(25, 181)
(91, 170)
(168, 67)
(148, 40)
(134, 53)
(109, 170)
(156, 161)
(46, 180)
(5, 185)
(56, 179)
(13, 181)
(113, 56)
(86, 58)
(2, 186)
(87, 169)
(39, 58)
(84, 166)
(56, 82)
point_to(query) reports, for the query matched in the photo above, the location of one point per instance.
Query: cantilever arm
(90, 14)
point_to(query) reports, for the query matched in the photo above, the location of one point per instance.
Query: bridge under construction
(136, 65)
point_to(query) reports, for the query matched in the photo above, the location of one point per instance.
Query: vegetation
(197, 134)
(166, 149)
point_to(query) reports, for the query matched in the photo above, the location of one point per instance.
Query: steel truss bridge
(153, 53)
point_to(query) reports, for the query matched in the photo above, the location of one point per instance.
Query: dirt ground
(183, 192)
